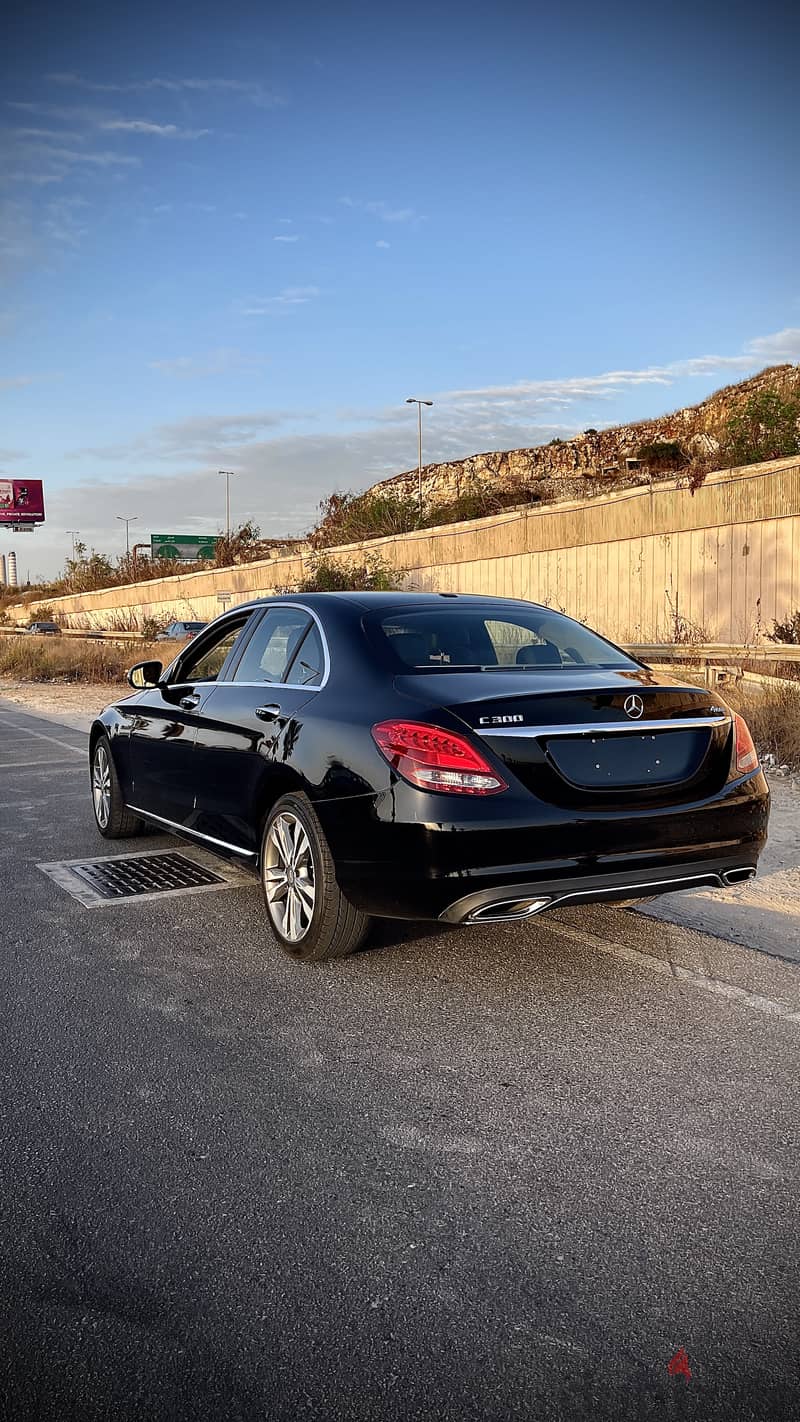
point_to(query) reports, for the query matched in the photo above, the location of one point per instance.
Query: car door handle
(268, 713)
(189, 702)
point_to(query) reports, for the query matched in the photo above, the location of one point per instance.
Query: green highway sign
(188, 547)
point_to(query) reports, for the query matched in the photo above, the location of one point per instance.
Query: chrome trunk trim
(604, 728)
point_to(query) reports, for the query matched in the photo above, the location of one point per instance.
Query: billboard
(21, 501)
(188, 547)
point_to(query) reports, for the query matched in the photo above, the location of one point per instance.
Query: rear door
(251, 724)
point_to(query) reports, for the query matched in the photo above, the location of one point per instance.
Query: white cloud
(68, 157)
(251, 90)
(156, 130)
(203, 437)
(289, 237)
(782, 346)
(384, 245)
(13, 382)
(384, 211)
(269, 305)
(216, 362)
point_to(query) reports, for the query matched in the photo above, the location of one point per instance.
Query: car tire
(113, 819)
(307, 911)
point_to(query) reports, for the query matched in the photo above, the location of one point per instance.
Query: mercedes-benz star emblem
(633, 707)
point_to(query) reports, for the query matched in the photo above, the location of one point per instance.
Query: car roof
(375, 601)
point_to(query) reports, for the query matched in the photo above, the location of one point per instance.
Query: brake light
(433, 759)
(745, 754)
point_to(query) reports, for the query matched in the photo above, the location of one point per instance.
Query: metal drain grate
(139, 876)
(149, 874)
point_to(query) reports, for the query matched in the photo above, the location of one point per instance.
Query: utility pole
(227, 475)
(73, 533)
(419, 404)
(127, 522)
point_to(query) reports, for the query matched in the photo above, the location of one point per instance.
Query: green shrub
(340, 575)
(764, 427)
(352, 518)
(788, 631)
(662, 454)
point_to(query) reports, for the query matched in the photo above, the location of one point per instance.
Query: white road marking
(666, 969)
(40, 735)
(41, 764)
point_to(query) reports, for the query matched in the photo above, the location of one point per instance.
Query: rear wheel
(112, 818)
(308, 913)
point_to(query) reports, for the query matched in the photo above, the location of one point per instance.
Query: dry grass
(70, 659)
(773, 715)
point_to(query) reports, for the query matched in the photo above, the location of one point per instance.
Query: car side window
(309, 660)
(273, 645)
(206, 663)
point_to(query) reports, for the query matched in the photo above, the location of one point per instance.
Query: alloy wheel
(289, 877)
(101, 787)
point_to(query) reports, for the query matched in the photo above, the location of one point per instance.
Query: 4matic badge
(500, 720)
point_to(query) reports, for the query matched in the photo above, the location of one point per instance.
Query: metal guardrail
(779, 662)
(713, 652)
(79, 632)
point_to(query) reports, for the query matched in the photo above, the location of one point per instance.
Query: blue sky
(238, 237)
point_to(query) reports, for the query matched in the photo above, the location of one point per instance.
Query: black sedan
(410, 755)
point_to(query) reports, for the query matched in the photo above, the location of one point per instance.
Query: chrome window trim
(605, 728)
(290, 685)
(221, 623)
(184, 829)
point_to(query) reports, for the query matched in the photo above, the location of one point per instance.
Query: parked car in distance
(429, 756)
(180, 631)
(43, 629)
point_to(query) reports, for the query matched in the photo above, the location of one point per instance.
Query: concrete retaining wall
(727, 560)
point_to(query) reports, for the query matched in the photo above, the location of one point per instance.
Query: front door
(166, 719)
(249, 726)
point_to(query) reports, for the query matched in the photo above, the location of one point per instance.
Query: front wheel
(112, 817)
(308, 913)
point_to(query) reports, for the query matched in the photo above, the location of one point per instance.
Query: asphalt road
(488, 1173)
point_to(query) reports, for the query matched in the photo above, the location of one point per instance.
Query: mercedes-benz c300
(433, 756)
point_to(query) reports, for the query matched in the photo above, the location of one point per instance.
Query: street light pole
(227, 474)
(73, 533)
(127, 522)
(419, 404)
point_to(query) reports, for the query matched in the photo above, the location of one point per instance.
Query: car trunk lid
(573, 736)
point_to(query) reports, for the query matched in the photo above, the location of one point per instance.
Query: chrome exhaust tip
(739, 876)
(507, 910)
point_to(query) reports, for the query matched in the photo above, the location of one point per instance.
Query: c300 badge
(500, 720)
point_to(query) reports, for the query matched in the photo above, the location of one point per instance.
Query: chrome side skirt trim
(604, 728)
(183, 829)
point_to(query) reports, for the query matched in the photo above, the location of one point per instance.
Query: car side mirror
(144, 674)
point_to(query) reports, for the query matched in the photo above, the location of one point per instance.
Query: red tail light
(746, 756)
(433, 759)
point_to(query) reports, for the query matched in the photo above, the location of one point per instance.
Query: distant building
(12, 570)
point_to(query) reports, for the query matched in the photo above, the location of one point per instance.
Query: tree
(764, 427)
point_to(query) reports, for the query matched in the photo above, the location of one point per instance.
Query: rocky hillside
(599, 459)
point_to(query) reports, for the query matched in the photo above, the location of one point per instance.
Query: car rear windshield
(490, 638)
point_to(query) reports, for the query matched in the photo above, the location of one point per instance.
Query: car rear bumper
(506, 904)
(396, 857)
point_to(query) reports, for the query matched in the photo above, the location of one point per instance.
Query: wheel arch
(282, 782)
